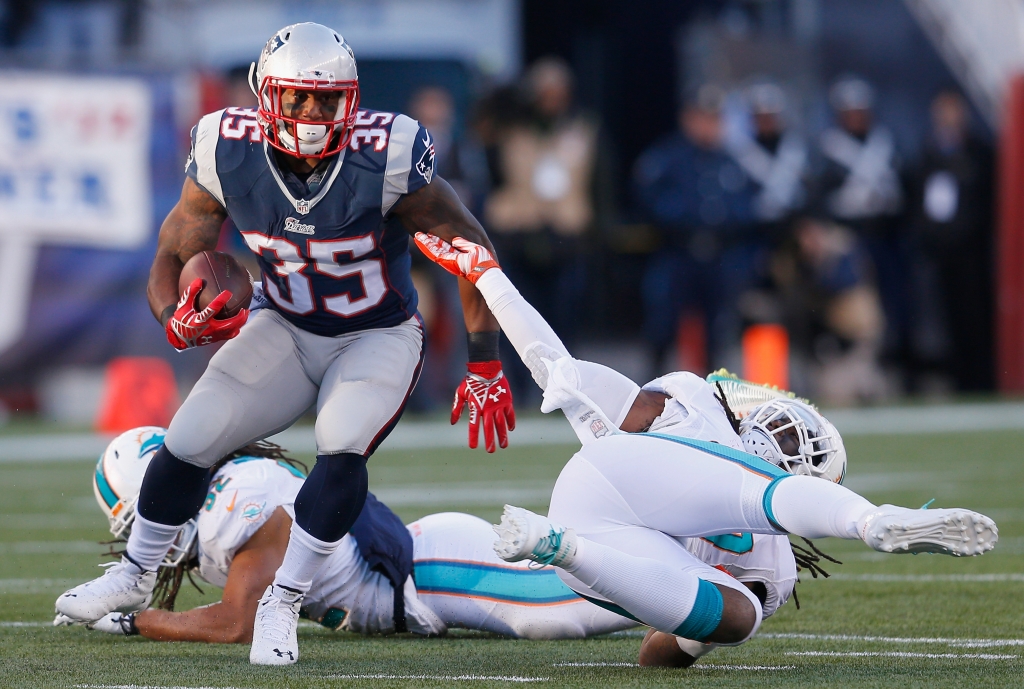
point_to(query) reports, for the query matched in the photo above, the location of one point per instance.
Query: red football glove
(188, 328)
(462, 257)
(486, 392)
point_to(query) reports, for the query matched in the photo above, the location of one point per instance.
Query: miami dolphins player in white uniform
(326, 195)
(664, 464)
(450, 575)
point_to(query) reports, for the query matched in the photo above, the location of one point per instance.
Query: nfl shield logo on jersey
(425, 166)
(301, 206)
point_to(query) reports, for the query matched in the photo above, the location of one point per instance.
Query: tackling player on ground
(325, 195)
(665, 464)
(239, 536)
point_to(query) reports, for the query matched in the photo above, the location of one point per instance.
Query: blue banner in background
(87, 304)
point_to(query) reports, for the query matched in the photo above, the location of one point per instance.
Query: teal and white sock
(815, 508)
(668, 599)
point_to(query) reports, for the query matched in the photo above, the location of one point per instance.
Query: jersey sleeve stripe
(207, 136)
(396, 176)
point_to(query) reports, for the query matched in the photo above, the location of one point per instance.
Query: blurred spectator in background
(541, 211)
(775, 158)
(239, 92)
(861, 187)
(952, 211)
(823, 279)
(702, 204)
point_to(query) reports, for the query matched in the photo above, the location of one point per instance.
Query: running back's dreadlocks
(168, 580)
(807, 558)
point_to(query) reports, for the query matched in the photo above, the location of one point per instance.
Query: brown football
(219, 272)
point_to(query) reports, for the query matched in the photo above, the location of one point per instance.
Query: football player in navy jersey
(325, 195)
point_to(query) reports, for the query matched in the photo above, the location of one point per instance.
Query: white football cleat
(273, 636)
(124, 587)
(523, 535)
(956, 532)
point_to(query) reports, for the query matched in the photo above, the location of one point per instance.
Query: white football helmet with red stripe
(307, 57)
(118, 480)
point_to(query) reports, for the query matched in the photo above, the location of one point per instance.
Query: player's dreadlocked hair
(807, 557)
(733, 421)
(168, 580)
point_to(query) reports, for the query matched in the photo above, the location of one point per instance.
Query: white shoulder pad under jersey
(693, 410)
(752, 558)
(242, 496)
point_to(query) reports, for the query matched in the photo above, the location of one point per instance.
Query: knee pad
(332, 496)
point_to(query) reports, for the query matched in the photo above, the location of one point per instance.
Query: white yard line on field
(50, 547)
(707, 666)
(553, 430)
(31, 586)
(26, 624)
(958, 643)
(931, 578)
(139, 686)
(901, 654)
(447, 678)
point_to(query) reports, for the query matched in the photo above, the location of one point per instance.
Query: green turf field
(933, 621)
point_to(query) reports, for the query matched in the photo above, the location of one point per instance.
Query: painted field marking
(139, 686)
(901, 654)
(596, 665)
(446, 678)
(708, 666)
(31, 586)
(930, 578)
(958, 643)
(26, 624)
(49, 547)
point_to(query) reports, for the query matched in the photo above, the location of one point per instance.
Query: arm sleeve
(577, 387)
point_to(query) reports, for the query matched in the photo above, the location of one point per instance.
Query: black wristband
(128, 625)
(166, 314)
(483, 346)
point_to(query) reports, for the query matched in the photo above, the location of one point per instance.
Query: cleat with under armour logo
(124, 587)
(273, 636)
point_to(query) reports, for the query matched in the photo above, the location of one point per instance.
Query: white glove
(62, 620)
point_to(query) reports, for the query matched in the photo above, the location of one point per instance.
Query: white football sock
(815, 508)
(302, 560)
(658, 595)
(149, 542)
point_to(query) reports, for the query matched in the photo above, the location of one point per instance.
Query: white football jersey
(751, 558)
(243, 494)
(693, 410)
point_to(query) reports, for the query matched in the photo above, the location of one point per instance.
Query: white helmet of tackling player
(118, 480)
(792, 434)
(306, 57)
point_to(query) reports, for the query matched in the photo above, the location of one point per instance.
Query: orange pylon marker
(766, 355)
(138, 391)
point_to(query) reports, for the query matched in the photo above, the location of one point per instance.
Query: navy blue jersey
(333, 260)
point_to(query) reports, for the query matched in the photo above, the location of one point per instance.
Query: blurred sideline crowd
(879, 270)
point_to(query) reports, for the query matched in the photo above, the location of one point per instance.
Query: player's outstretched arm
(437, 210)
(231, 620)
(619, 399)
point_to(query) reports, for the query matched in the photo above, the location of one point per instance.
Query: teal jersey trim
(766, 502)
(493, 582)
(747, 460)
(611, 607)
(106, 491)
(706, 614)
(284, 465)
(737, 543)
